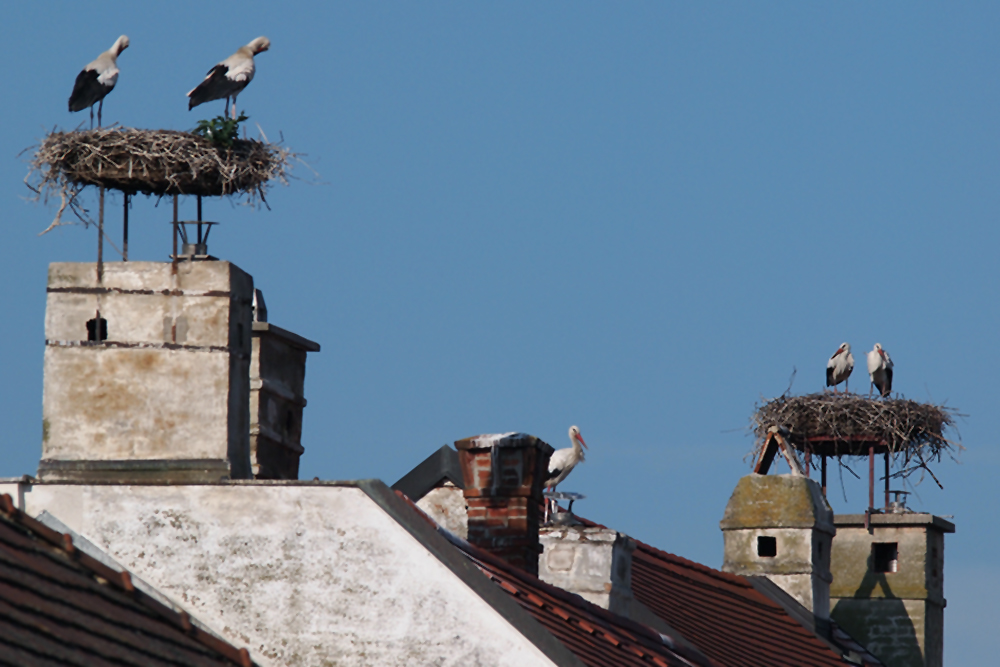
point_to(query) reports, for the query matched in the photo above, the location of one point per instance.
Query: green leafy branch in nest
(222, 131)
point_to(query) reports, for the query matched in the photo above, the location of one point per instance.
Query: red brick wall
(503, 479)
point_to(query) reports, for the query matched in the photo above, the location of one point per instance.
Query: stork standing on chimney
(564, 460)
(839, 368)
(96, 80)
(228, 78)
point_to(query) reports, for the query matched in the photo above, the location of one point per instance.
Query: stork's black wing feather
(829, 376)
(86, 91)
(207, 89)
(553, 474)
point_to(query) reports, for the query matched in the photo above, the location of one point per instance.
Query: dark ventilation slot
(97, 329)
(767, 547)
(885, 557)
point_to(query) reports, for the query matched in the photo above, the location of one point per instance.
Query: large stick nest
(847, 424)
(154, 162)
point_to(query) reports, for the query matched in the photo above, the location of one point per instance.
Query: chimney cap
(492, 440)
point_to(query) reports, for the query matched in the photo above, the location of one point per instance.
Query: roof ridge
(122, 581)
(666, 555)
(728, 577)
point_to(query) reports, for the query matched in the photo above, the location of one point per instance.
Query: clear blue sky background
(635, 217)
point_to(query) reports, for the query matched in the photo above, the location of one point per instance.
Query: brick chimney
(504, 475)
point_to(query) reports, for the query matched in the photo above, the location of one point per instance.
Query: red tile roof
(596, 636)
(59, 606)
(726, 616)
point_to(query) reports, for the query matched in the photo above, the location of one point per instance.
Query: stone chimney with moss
(781, 527)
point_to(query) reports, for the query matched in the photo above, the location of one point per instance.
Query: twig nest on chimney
(845, 424)
(155, 162)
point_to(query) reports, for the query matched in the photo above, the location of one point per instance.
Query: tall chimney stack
(504, 475)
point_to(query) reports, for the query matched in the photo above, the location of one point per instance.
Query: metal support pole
(173, 268)
(824, 475)
(125, 232)
(871, 478)
(199, 220)
(808, 462)
(100, 240)
(887, 480)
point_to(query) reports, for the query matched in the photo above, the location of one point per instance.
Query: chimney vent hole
(97, 332)
(767, 547)
(885, 557)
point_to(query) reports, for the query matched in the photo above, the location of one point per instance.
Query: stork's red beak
(580, 438)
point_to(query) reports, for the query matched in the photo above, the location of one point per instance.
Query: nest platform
(843, 424)
(155, 162)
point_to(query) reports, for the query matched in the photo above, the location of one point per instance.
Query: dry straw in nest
(153, 162)
(845, 424)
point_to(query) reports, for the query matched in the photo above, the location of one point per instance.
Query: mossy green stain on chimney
(773, 501)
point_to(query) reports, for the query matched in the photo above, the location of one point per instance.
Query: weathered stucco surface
(301, 574)
(446, 505)
(595, 563)
(131, 404)
(920, 565)
(898, 616)
(170, 382)
(792, 510)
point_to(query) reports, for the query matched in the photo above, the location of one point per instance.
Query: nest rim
(844, 424)
(156, 162)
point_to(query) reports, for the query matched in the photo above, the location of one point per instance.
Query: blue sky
(638, 218)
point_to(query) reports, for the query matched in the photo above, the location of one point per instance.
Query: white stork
(840, 366)
(97, 80)
(229, 77)
(564, 460)
(880, 370)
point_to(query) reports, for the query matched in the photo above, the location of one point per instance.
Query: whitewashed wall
(304, 574)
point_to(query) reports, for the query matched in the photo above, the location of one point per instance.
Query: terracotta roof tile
(724, 615)
(59, 606)
(596, 636)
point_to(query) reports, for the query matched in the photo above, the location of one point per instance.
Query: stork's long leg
(225, 111)
(100, 108)
(92, 116)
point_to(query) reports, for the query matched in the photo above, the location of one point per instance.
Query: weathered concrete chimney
(781, 527)
(147, 372)
(888, 586)
(503, 476)
(593, 562)
(277, 388)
